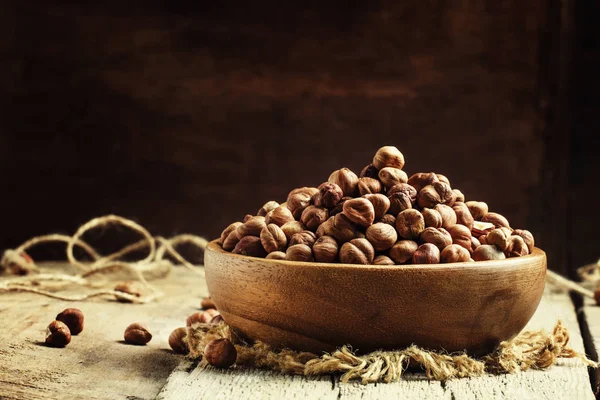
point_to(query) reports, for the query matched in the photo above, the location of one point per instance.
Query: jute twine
(153, 265)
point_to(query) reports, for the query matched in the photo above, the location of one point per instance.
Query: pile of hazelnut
(380, 217)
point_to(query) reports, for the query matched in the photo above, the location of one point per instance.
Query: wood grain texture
(316, 306)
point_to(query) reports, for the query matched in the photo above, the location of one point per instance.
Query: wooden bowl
(318, 307)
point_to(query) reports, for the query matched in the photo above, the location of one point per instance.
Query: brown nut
(251, 227)
(383, 260)
(516, 247)
(346, 180)
(313, 216)
(437, 236)
(137, 333)
(403, 251)
(342, 229)
(422, 179)
(207, 303)
(460, 197)
(73, 318)
(267, 208)
(276, 255)
(498, 220)
(432, 218)
(299, 199)
(357, 251)
(381, 204)
(443, 178)
(475, 243)
(329, 195)
(436, 193)
(382, 236)
(250, 246)
(131, 288)
(461, 235)
(369, 171)
(299, 252)
(478, 209)
(368, 186)
(388, 219)
(325, 249)
(410, 224)
(220, 353)
(463, 215)
(279, 216)
(482, 228)
(231, 240)
(392, 176)
(388, 156)
(272, 238)
(57, 334)
(305, 237)
(203, 317)
(403, 188)
(217, 319)
(177, 341)
(499, 238)
(448, 215)
(483, 239)
(527, 237)
(246, 218)
(227, 231)
(487, 252)
(426, 254)
(402, 197)
(359, 211)
(455, 253)
(292, 227)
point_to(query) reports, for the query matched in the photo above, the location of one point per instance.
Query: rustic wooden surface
(589, 312)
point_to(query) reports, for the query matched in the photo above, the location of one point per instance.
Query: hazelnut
(272, 238)
(58, 334)
(368, 186)
(137, 334)
(402, 197)
(403, 251)
(463, 215)
(422, 179)
(483, 239)
(499, 238)
(299, 252)
(325, 249)
(250, 246)
(360, 211)
(403, 188)
(460, 197)
(346, 180)
(426, 254)
(251, 227)
(448, 215)
(410, 224)
(203, 317)
(207, 303)
(339, 207)
(388, 156)
(392, 176)
(267, 208)
(227, 231)
(487, 252)
(382, 236)
(475, 243)
(478, 209)
(357, 251)
(432, 218)
(527, 237)
(276, 255)
(305, 237)
(279, 216)
(329, 195)
(494, 218)
(383, 260)
(220, 353)
(381, 204)
(388, 219)
(313, 216)
(443, 178)
(455, 253)
(299, 199)
(217, 319)
(73, 318)
(516, 247)
(292, 227)
(369, 171)
(482, 228)
(247, 217)
(177, 341)
(461, 235)
(436, 193)
(437, 236)
(231, 240)
(132, 288)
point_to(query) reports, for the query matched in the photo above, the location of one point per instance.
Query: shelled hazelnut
(313, 216)
(478, 209)
(250, 246)
(357, 251)
(461, 235)
(292, 227)
(527, 237)
(325, 249)
(369, 171)
(516, 247)
(434, 194)
(299, 252)
(360, 211)
(251, 227)
(390, 176)
(73, 318)
(388, 219)
(220, 353)
(305, 237)
(463, 215)
(426, 254)
(346, 180)
(498, 220)
(388, 156)
(448, 215)
(381, 204)
(381, 236)
(177, 341)
(207, 303)
(272, 238)
(368, 186)
(410, 224)
(403, 251)
(276, 255)
(137, 333)
(422, 179)
(279, 216)
(455, 253)
(488, 252)
(383, 260)
(58, 334)
(267, 208)
(432, 218)
(437, 236)
(329, 195)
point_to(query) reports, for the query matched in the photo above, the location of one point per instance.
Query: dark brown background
(185, 116)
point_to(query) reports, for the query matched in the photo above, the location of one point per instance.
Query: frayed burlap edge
(532, 349)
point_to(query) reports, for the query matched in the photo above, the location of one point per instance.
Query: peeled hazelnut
(299, 199)
(207, 303)
(220, 353)
(498, 220)
(346, 180)
(402, 197)
(426, 254)
(267, 208)
(279, 216)
(227, 231)
(527, 237)
(381, 204)
(475, 243)
(382, 236)
(516, 247)
(276, 255)
(177, 341)
(339, 207)
(357, 251)
(246, 218)
(391, 176)
(410, 224)
(325, 249)
(437, 236)
(231, 240)
(463, 215)
(313, 216)
(461, 235)
(433, 219)
(137, 334)
(383, 260)
(251, 227)
(272, 238)
(130, 287)
(448, 215)
(482, 228)
(455, 253)
(326, 228)
(360, 211)
(292, 227)
(436, 193)
(388, 156)
(299, 252)
(499, 238)
(329, 195)
(368, 186)
(443, 178)
(305, 237)
(369, 171)
(487, 252)
(388, 219)
(58, 334)
(250, 246)
(403, 188)
(73, 318)
(422, 179)
(203, 317)
(403, 251)
(478, 209)
(460, 197)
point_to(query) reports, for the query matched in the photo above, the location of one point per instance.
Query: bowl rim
(215, 246)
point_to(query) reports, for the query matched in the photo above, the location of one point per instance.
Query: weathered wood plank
(590, 313)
